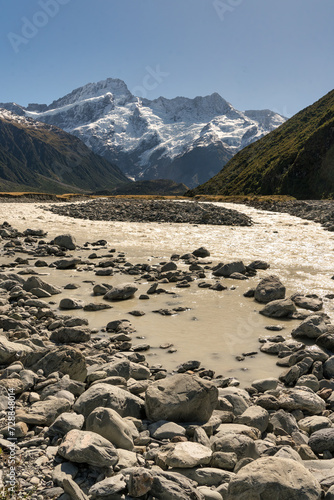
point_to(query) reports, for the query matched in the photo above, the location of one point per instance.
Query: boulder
(270, 288)
(201, 252)
(88, 447)
(301, 399)
(69, 335)
(188, 454)
(121, 292)
(65, 423)
(110, 396)
(43, 412)
(275, 479)
(181, 398)
(37, 282)
(227, 269)
(312, 303)
(109, 424)
(312, 327)
(69, 303)
(65, 241)
(322, 440)
(109, 488)
(240, 444)
(66, 360)
(164, 429)
(254, 416)
(281, 308)
(67, 263)
(12, 351)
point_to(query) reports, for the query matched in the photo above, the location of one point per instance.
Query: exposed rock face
(275, 479)
(181, 398)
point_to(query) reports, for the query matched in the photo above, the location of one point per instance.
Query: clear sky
(257, 54)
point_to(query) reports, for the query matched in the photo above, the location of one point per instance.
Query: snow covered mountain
(186, 140)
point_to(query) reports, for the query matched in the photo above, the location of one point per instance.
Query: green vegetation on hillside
(296, 159)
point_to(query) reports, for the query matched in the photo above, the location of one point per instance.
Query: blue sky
(257, 54)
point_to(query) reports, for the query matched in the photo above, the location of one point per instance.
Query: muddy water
(218, 325)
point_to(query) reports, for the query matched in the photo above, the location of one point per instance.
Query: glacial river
(218, 325)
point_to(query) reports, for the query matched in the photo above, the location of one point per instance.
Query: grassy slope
(50, 160)
(296, 159)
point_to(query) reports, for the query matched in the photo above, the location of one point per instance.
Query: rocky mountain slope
(296, 159)
(186, 140)
(39, 157)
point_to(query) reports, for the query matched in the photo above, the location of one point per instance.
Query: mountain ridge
(296, 159)
(37, 156)
(150, 139)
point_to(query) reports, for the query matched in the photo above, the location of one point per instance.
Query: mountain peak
(113, 86)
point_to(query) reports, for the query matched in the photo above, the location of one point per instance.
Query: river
(218, 325)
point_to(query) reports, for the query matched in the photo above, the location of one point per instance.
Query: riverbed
(218, 326)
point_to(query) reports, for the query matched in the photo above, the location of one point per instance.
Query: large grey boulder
(65, 241)
(312, 303)
(110, 396)
(188, 454)
(173, 486)
(67, 360)
(240, 444)
(121, 292)
(109, 488)
(301, 399)
(270, 288)
(43, 412)
(227, 269)
(322, 440)
(88, 447)
(12, 351)
(37, 282)
(109, 424)
(65, 423)
(181, 398)
(275, 479)
(311, 327)
(67, 335)
(281, 308)
(254, 416)
(68, 303)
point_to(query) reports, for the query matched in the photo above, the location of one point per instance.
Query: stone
(36, 282)
(326, 340)
(274, 478)
(121, 292)
(322, 440)
(227, 269)
(88, 447)
(281, 308)
(181, 398)
(169, 266)
(66, 422)
(239, 398)
(301, 399)
(201, 252)
(254, 416)
(259, 264)
(73, 490)
(312, 327)
(43, 412)
(283, 420)
(209, 494)
(65, 241)
(67, 263)
(314, 423)
(173, 486)
(240, 444)
(69, 303)
(12, 351)
(266, 384)
(67, 335)
(270, 288)
(64, 471)
(310, 381)
(166, 430)
(109, 424)
(101, 394)
(207, 476)
(96, 307)
(140, 482)
(312, 303)
(224, 460)
(188, 454)
(109, 488)
(328, 367)
(66, 360)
